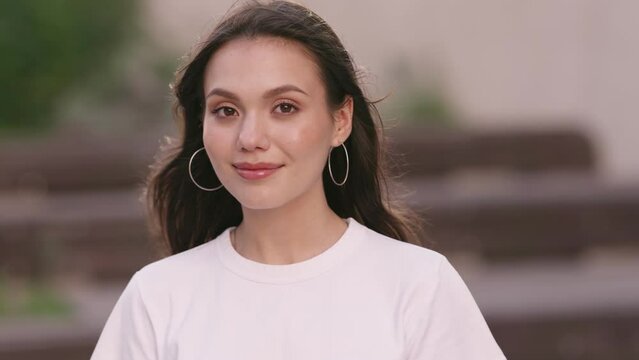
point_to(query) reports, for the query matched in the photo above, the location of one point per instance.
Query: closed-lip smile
(256, 171)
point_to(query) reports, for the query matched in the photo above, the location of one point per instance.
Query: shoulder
(175, 272)
(412, 260)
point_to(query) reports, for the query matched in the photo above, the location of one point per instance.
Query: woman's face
(267, 126)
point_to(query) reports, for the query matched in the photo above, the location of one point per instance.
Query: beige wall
(501, 62)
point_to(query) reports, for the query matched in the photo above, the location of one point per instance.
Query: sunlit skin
(266, 103)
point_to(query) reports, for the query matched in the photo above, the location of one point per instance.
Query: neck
(299, 230)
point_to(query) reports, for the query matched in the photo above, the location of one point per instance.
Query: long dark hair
(186, 216)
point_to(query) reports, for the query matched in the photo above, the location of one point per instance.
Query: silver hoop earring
(330, 171)
(191, 174)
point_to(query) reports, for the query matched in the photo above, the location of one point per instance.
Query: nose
(252, 134)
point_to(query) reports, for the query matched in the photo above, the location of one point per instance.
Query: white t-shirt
(367, 297)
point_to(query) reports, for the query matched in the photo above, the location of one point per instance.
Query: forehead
(262, 62)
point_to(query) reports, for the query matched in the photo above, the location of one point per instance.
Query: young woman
(288, 246)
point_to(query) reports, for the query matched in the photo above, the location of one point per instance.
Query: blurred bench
(434, 152)
(75, 162)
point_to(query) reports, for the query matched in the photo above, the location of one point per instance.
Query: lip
(256, 171)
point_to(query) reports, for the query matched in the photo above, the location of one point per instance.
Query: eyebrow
(270, 93)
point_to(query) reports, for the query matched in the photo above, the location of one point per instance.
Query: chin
(260, 200)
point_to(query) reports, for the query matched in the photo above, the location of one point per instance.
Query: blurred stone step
(68, 338)
(512, 217)
(101, 235)
(548, 309)
(592, 337)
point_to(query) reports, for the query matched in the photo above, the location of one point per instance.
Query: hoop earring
(330, 171)
(191, 174)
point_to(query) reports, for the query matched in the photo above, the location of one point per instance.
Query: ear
(343, 121)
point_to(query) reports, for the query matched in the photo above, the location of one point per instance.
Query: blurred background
(516, 122)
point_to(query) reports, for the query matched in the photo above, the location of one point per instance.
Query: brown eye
(224, 111)
(286, 108)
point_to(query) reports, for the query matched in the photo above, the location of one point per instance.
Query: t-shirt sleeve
(446, 323)
(128, 332)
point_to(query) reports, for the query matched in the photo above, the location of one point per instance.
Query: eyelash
(288, 103)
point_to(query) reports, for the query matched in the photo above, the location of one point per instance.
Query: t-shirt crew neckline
(288, 273)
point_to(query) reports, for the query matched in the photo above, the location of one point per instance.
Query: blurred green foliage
(36, 299)
(419, 98)
(426, 107)
(420, 106)
(48, 46)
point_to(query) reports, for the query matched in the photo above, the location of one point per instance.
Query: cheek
(216, 141)
(309, 139)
